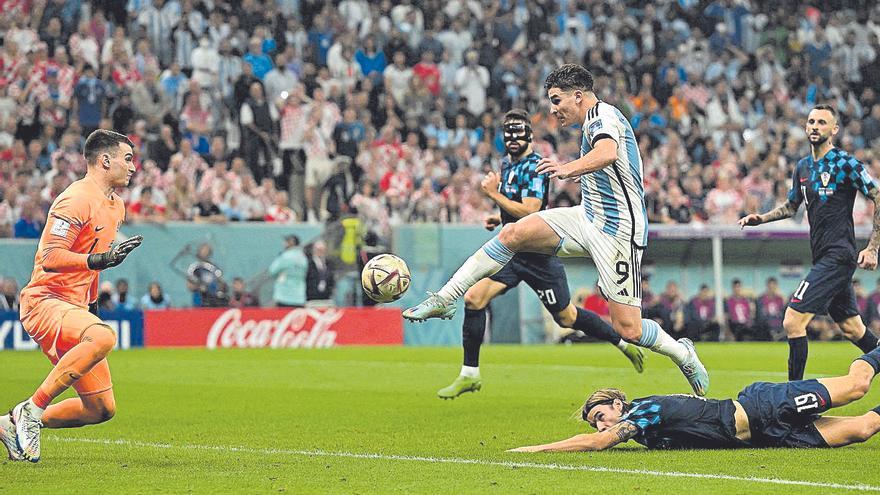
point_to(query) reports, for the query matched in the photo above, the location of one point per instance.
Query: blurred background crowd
(302, 110)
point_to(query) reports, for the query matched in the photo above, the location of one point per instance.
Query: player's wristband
(98, 261)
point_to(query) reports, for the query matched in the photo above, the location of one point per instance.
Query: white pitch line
(457, 460)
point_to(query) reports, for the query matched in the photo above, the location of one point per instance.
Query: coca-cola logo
(301, 327)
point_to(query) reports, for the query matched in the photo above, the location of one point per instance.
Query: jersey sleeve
(861, 179)
(795, 195)
(601, 123)
(66, 219)
(536, 184)
(643, 414)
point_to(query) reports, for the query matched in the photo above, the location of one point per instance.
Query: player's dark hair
(517, 114)
(101, 141)
(569, 77)
(827, 107)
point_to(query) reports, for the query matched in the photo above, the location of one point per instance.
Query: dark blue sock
(472, 333)
(868, 342)
(797, 358)
(873, 358)
(593, 325)
(877, 410)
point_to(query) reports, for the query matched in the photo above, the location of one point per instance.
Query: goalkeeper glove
(115, 255)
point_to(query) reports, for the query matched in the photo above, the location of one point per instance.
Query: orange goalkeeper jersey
(82, 220)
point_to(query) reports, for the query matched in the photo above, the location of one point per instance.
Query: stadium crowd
(749, 313)
(303, 110)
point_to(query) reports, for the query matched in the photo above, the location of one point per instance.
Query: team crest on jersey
(595, 126)
(826, 177)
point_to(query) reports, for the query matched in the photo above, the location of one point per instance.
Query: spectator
(770, 311)
(739, 313)
(320, 280)
(206, 211)
(121, 299)
(105, 297)
(700, 318)
(670, 309)
(8, 294)
(240, 296)
(258, 119)
(861, 298)
(471, 81)
(873, 319)
(205, 280)
(155, 298)
(30, 224)
(597, 303)
(289, 270)
(260, 63)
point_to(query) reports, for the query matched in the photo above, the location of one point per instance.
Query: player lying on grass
(764, 414)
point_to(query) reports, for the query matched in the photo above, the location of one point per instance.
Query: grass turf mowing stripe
(455, 460)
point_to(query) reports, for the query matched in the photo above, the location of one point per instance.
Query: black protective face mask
(517, 131)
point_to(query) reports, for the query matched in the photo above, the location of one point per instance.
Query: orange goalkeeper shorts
(56, 326)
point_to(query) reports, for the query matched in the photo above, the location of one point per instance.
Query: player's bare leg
(95, 343)
(795, 324)
(529, 234)
(589, 323)
(840, 431)
(627, 321)
(81, 411)
(855, 331)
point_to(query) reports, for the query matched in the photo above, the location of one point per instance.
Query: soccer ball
(385, 278)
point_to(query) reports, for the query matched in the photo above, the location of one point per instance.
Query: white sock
(622, 345)
(487, 261)
(655, 338)
(37, 411)
(470, 371)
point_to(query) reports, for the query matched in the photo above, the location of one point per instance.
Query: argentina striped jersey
(614, 197)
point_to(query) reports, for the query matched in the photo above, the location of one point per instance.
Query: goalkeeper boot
(432, 307)
(7, 436)
(461, 385)
(27, 430)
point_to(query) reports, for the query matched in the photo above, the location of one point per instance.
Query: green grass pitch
(366, 420)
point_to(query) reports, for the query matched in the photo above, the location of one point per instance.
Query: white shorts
(618, 261)
(318, 170)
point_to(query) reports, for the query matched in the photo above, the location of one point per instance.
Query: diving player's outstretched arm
(619, 433)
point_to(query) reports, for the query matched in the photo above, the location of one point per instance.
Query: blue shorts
(544, 274)
(827, 290)
(782, 414)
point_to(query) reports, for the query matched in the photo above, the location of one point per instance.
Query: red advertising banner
(272, 327)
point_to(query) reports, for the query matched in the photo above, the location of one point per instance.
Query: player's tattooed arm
(868, 256)
(785, 210)
(619, 433)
